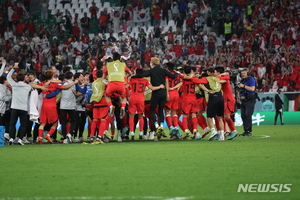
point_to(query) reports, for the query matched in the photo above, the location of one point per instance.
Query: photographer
(248, 98)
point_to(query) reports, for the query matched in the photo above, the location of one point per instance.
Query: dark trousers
(158, 98)
(165, 16)
(81, 119)
(7, 120)
(247, 109)
(64, 121)
(28, 128)
(15, 114)
(2, 120)
(276, 116)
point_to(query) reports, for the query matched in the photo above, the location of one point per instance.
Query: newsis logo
(261, 188)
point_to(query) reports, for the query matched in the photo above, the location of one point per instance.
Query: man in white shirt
(19, 105)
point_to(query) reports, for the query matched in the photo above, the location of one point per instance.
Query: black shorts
(215, 105)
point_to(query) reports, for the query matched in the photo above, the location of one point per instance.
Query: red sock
(202, 121)
(169, 120)
(68, 127)
(52, 130)
(180, 125)
(175, 120)
(230, 124)
(109, 104)
(184, 123)
(89, 129)
(194, 123)
(123, 105)
(131, 124)
(40, 132)
(141, 124)
(93, 128)
(103, 127)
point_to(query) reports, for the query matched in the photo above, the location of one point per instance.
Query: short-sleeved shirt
(250, 82)
(138, 86)
(51, 88)
(173, 83)
(226, 88)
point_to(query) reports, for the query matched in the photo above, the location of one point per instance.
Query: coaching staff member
(279, 107)
(248, 98)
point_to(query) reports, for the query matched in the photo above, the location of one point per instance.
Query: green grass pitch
(173, 170)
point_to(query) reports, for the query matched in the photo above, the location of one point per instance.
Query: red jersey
(50, 103)
(31, 28)
(173, 83)
(76, 31)
(156, 13)
(188, 89)
(178, 50)
(226, 88)
(93, 10)
(138, 86)
(148, 56)
(192, 50)
(20, 29)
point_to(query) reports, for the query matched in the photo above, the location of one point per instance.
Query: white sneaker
(20, 142)
(11, 141)
(6, 136)
(198, 136)
(213, 135)
(25, 141)
(119, 137)
(222, 137)
(151, 135)
(66, 141)
(44, 140)
(107, 135)
(76, 139)
(69, 137)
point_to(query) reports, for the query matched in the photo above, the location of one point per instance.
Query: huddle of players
(186, 95)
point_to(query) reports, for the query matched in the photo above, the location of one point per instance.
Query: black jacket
(278, 102)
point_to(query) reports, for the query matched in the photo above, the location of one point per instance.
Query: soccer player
(189, 105)
(49, 113)
(229, 100)
(137, 100)
(201, 102)
(171, 106)
(100, 109)
(116, 72)
(215, 104)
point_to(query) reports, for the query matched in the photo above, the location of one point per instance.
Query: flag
(142, 15)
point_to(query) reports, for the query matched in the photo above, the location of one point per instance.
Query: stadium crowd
(261, 36)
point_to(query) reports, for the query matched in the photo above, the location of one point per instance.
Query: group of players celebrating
(148, 98)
